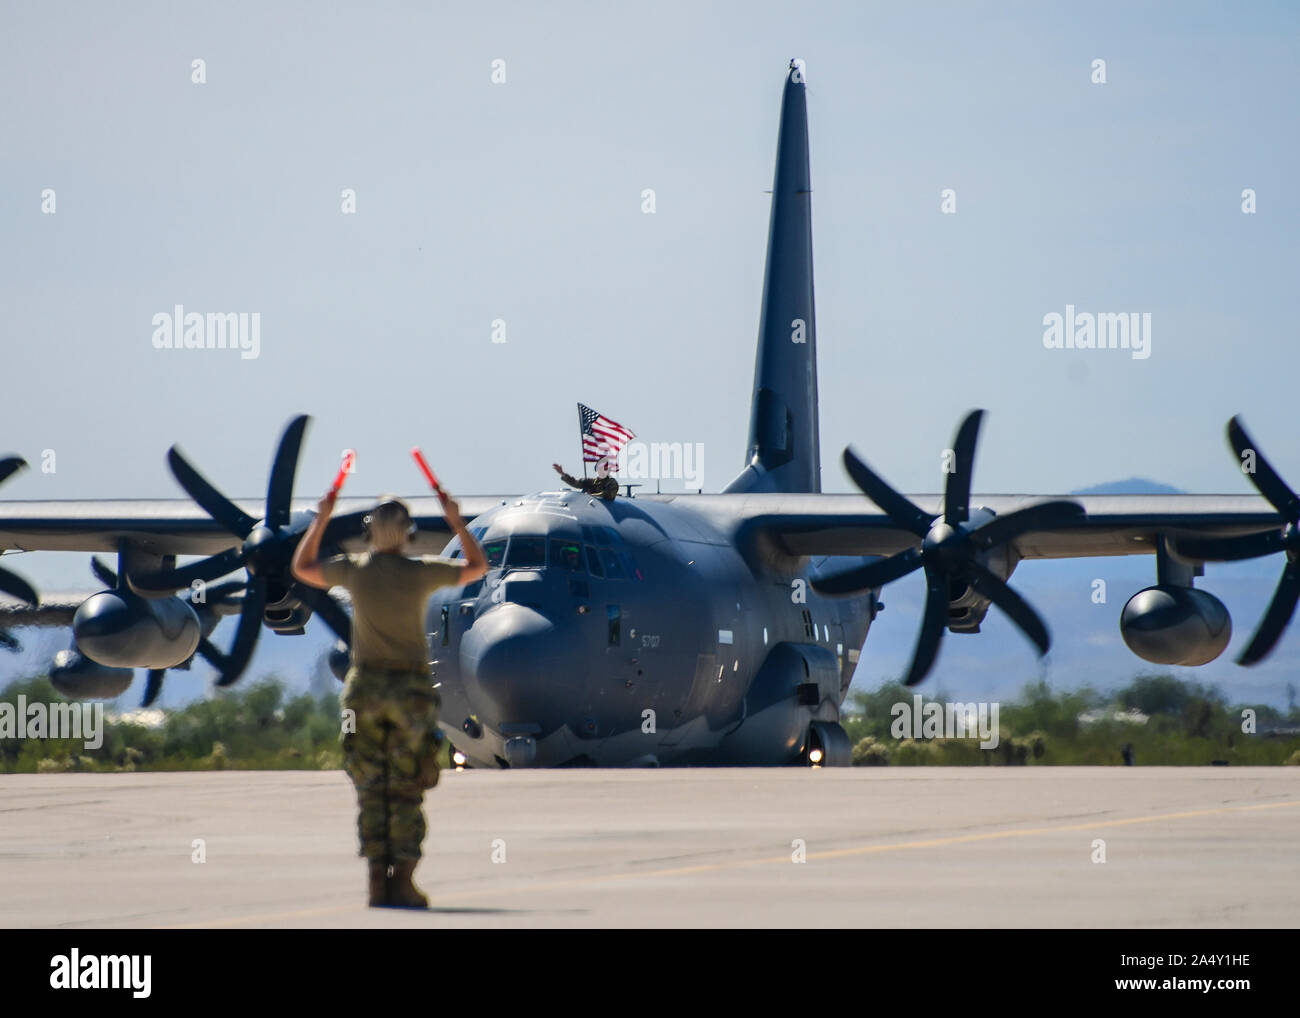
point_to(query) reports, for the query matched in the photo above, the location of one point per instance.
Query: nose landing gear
(827, 745)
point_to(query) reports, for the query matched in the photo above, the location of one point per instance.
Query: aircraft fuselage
(612, 633)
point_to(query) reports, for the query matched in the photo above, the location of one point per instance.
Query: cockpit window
(495, 552)
(526, 552)
(454, 549)
(566, 555)
(633, 569)
(606, 554)
(613, 566)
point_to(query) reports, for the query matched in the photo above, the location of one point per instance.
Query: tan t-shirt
(389, 592)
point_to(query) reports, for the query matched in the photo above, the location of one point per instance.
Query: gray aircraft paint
(534, 656)
(711, 564)
(783, 452)
(532, 653)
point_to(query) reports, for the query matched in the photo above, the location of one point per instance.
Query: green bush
(255, 727)
(1187, 724)
(247, 728)
(867, 752)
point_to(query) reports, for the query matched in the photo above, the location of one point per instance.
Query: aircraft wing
(180, 527)
(800, 524)
(55, 612)
(1112, 524)
(968, 556)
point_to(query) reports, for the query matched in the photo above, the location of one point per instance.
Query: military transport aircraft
(663, 629)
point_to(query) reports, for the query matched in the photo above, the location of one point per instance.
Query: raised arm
(568, 479)
(475, 566)
(306, 557)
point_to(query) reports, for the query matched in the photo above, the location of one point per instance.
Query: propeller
(266, 550)
(951, 551)
(219, 600)
(1268, 482)
(11, 583)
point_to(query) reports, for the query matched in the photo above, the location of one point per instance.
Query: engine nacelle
(123, 630)
(284, 613)
(75, 675)
(1170, 625)
(966, 609)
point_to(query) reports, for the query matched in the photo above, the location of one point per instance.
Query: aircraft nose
(520, 666)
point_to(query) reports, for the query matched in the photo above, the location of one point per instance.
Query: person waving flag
(602, 438)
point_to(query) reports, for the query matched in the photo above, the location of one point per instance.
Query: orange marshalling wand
(423, 464)
(349, 461)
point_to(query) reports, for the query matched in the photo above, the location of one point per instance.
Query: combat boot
(378, 883)
(402, 892)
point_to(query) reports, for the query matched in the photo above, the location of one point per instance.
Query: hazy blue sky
(522, 201)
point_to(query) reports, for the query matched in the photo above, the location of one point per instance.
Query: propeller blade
(1265, 478)
(232, 665)
(341, 527)
(210, 568)
(1279, 613)
(15, 586)
(328, 609)
(219, 593)
(10, 465)
(933, 624)
(897, 507)
(212, 501)
(105, 575)
(872, 575)
(11, 583)
(152, 686)
(1230, 549)
(956, 496)
(279, 490)
(1017, 609)
(1043, 516)
(209, 653)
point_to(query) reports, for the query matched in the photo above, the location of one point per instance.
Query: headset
(389, 500)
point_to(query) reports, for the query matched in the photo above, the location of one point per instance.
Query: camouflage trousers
(390, 745)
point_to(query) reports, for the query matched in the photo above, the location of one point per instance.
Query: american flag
(601, 437)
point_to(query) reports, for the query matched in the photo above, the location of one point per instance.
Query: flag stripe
(601, 436)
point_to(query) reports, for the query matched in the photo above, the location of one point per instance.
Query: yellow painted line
(837, 853)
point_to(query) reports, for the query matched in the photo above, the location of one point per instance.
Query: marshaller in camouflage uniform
(390, 721)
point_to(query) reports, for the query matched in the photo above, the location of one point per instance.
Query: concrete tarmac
(882, 847)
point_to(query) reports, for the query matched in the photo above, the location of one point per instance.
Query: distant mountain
(1133, 486)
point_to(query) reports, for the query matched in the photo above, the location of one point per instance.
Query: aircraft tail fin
(784, 452)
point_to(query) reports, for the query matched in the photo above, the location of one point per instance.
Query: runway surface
(979, 847)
